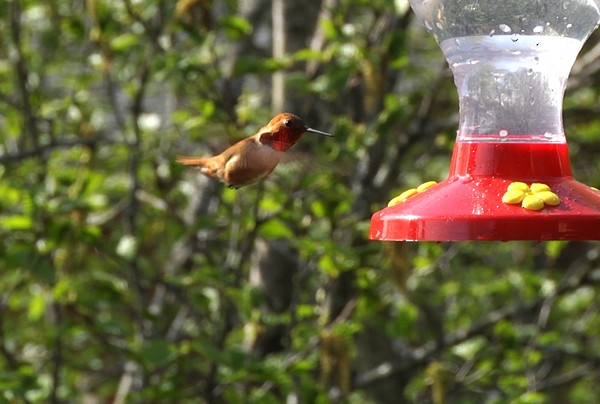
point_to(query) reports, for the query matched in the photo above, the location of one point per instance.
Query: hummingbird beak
(318, 132)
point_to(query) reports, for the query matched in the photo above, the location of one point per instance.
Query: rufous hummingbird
(253, 158)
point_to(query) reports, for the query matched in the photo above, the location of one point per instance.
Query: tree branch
(429, 351)
(55, 145)
(279, 45)
(29, 117)
(576, 374)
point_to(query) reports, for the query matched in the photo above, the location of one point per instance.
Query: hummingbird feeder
(510, 175)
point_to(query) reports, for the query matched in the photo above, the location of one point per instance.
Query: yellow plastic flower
(411, 192)
(533, 197)
(425, 186)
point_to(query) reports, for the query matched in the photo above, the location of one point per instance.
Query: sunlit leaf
(274, 229)
(236, 27)
(37, 306)
(16, 222)
(124, 42)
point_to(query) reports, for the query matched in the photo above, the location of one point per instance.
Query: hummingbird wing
(254, 163)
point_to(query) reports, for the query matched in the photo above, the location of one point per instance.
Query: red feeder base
(468, 204)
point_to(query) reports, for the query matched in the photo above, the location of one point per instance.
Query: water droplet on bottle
(504, 28)
(428, 25)
(538, 29)
(569, 25)
(548, 135)
(503, 134)
(529, 71)
(492, 32)
(465, 179)
(514, 37)
(439, 25)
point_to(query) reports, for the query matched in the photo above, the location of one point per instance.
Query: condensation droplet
(503, 133)
(439, 25)
(514, 37)
(538, 29)
(504, 28)
(465, 179)
(529, 72)
(428, 25)
(492, 32)
(569, 25)
(548, 135)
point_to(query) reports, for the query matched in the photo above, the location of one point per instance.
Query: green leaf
(252, 64)
(307, 54)
(16, 222)
(157, 352)
(469, 348)
(236, 27)
(531, 397)
(124, 42)
(274, 229)
(37, 306)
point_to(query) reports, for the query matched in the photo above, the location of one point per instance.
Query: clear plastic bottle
(510, 60)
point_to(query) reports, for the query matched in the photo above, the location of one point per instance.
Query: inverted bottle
(510, 61)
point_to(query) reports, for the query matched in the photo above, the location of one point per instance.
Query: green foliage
(126, 277)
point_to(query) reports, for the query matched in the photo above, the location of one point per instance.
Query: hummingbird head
(283, 131)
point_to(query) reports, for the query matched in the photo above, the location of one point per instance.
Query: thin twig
(153, 31)
(57, 354)
(126, 382)
(317, 42)
(576, 374)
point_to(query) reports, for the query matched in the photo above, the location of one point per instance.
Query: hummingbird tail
(192, 161)
(209, 166)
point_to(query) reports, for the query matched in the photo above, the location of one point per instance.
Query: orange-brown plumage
(253, 158)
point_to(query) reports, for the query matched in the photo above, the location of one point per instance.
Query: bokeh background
(127, 278)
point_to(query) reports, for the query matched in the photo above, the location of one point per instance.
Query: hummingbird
(254, 157)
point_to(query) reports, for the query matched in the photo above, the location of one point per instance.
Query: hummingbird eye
(287, 122)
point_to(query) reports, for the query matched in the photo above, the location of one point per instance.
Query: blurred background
(127, 278)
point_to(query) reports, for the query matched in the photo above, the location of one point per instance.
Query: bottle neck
(511, 87)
